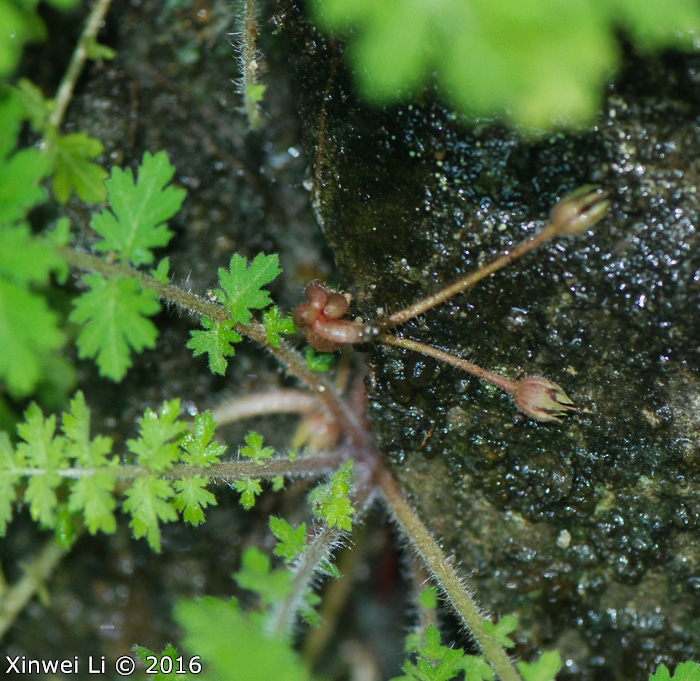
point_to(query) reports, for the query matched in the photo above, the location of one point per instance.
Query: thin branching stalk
(36, 573)
(77, 62)
(446, 576)
(335, 597)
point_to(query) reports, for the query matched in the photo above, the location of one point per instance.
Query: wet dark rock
(588, 528)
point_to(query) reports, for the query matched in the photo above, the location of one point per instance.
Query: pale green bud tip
(580, 210)
(542, 399)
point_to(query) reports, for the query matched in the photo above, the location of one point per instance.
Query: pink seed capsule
(542, 399)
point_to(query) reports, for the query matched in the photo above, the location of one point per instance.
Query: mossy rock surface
(587, 529)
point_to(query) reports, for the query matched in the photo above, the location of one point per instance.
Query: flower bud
(542, 399)
(579, 210)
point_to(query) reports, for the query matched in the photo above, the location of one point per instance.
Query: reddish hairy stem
(502, 382)
(434, 299)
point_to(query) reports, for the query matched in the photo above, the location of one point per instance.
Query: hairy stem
(446, 576)
(305, 571)
(502, 382)
(35, 575)
(283, 618)
(250, 86)
(469, 280)
(77, 62)
(315, 465)
(572, 215)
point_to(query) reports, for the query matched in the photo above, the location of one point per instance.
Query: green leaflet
(139, 208)
(241, 287)
(115, 314)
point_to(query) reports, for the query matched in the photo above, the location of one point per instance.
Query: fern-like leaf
(241, 287)
(139, 209)
(216, 341)
(115, 316)
(148, 503)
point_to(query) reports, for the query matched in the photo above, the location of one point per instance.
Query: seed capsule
(580, 210)
(542, 399)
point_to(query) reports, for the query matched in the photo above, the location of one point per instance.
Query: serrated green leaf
(292, 541)
(40, 495)
(20, 24)
(177, 663)
(74, 171)
(685, 671)
(148, 503)
(541, 64)
(307, 610)
(161, 271)
(217, 341)
(26, 259)
(36, 106)
(231, 641)
(241, 287)
(60, 234)
(76, 427)
(499, 631)
(427, 598)
(65, 531)
(325, 567)
(12, 114)
(276, 325)
(248, 488)
(28, 335)
(317, 361)
(97, 51)
(255, 92)
(157, 446)
(544, 668)
(432, 648)
(255, 450)
(92, 497)
(191, 497)
(198, 448)
(441, 663)
(330, 500)
(114, 312)
(40, 448)
(20, 175)
(257, 575)
(139, 209)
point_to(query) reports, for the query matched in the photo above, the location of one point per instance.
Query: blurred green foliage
(20, 24)
(542, 64)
